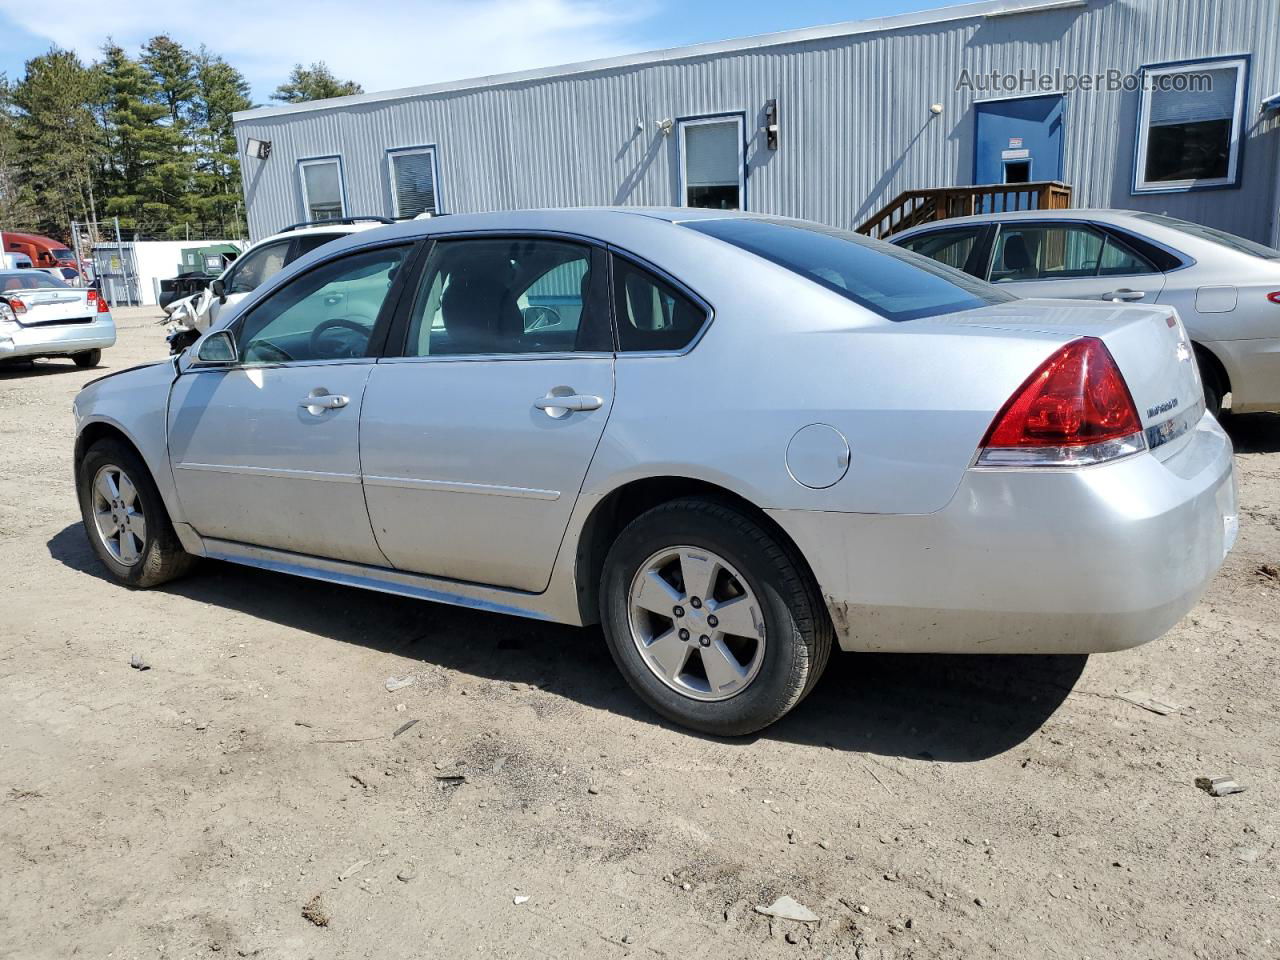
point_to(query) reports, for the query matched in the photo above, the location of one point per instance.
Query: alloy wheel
(118, 515)
(696, 623)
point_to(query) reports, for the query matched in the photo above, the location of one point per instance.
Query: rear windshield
(1220, 237)
(893, 282)
(33, 280)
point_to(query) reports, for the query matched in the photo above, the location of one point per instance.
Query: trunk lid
(54, 306)
(1149, 345)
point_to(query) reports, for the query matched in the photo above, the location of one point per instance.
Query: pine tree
(221, 90)
(173, 68)
(17, 203)
(315, 82)
(56, 138)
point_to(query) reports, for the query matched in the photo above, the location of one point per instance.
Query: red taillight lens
(102, 303)
(1274, 297)
(18, 305)
(1076, 399)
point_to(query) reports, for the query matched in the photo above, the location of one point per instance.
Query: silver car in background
(733, 441)
(44, 316)
(1225, 288)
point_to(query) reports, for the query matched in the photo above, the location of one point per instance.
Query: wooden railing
(914, 207)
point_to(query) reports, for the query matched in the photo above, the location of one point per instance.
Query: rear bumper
(55, 340)
(1072, 561)
(1254, 369)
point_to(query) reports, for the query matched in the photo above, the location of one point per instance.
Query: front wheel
(714, 622)
(87, 359)
(125, 519)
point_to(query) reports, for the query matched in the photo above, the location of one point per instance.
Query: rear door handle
(562, 406)
(1125, 295)
(317, 403)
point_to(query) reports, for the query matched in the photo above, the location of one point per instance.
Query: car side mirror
(218, 349)
(219, 289)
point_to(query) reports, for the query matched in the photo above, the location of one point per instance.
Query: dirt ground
(246, 795)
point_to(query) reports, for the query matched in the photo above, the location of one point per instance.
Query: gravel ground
(246, 795)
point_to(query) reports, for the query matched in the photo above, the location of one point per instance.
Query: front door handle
(318, 402)
(1124, 295)
(559, 405)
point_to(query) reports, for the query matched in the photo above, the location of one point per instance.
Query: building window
(413, 182)
(322, 194)
(711, 163)
(1190, 126)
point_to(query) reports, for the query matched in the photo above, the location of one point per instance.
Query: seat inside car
(477, 306)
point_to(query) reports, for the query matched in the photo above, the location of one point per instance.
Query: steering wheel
(539, 318)
(353, 324)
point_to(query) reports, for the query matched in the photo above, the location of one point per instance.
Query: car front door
(266, 451)
(475, 440)
(1074, 261)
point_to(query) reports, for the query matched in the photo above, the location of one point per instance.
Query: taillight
(1075, 409)
(1274, 297)
(102, 303)
(18, 305)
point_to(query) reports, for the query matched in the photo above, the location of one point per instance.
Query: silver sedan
(1226, 288)
(733, 441)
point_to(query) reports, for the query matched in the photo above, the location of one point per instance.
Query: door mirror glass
(219, 348)
(217, 287)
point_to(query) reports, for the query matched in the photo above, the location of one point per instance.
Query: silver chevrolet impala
(731, 440)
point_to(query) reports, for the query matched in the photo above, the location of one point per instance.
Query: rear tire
(1214, 389)
(88, 359)
(691, 680)
(125, 519)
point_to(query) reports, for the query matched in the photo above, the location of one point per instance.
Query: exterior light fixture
(936, 109)
(665, 126)
(258, 149)
(771, 124)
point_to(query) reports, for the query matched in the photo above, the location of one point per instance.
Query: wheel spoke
(128, 551)
(137, 524)
(656, 595)
(106, 523)
(739, 617)
(127, 491)
(699, 572)
(722, 668)
(106, 486)
(669, 653)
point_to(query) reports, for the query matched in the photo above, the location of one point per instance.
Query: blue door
(1018, 141)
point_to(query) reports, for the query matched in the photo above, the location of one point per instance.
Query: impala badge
(1160, 408)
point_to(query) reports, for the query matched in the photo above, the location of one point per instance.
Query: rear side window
(890, 281)
(950, 247)
(651, 313)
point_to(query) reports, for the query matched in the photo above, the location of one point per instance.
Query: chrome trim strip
(1171, 429)
(450, 486)
(277, 473)
(380, 579)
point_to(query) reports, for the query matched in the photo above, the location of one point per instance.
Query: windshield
(32, 280)
(63, 255)
(890, 281)
(1220, 237)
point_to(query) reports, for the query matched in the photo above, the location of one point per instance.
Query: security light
(258, 149)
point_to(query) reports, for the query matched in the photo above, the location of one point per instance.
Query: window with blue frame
(1190, 126)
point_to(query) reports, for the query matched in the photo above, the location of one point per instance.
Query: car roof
(341, 229)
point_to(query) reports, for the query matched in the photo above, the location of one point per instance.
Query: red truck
(42, 251)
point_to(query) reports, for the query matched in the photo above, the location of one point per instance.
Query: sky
(384, 44)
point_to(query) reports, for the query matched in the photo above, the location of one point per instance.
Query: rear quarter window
(895, 283)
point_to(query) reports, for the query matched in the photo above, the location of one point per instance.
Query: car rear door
(266, 451)
(1071, 260)
(476, 438)
(966, 247)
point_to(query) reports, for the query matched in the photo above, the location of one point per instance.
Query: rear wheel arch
(622, 505)
(1214, 374)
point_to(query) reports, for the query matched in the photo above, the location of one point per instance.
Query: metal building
(1170, 106)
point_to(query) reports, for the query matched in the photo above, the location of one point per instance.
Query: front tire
(125, 519)
(715, 623)
(88, 359)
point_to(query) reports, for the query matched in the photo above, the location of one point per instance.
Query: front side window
(711, 163)
(322, 189)
(951, 247)
(508, 295)
(258, 266)
(1060, 252)
(413, 182)
(325, 314)
(1190, 126)
(887, 280)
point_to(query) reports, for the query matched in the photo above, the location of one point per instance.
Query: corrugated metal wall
(855, 126)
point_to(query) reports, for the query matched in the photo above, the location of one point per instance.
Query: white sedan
(42, 316)
(733, 441)
(1225, 288)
